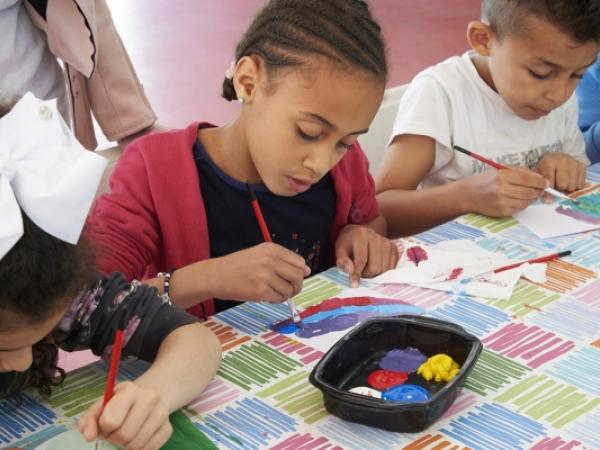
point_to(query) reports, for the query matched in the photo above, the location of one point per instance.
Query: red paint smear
(416, 254)
(454, 274)
(335, 303)
(383, 379)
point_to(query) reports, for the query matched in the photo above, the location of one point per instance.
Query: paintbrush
(113, 370)
(499, 166)
(267, 237)
(541, 259)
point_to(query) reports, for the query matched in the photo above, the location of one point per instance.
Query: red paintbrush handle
(478, 157)
(510, 266)
(534, 260)
(261, 221)
(491, 162)
(114, 367)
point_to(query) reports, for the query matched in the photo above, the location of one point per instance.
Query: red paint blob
(455, 274)
(416, 254)
(383, 379)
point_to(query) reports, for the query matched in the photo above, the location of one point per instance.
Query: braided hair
(285, 32)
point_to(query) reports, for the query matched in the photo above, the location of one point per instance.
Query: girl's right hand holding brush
(266, 272)
(134, 419)
(501, 193)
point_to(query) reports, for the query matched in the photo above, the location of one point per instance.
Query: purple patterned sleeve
(93, 317)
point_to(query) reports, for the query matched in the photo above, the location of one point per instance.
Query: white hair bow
(45, 172)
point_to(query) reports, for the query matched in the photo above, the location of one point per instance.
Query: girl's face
(302, 126)
(16, 343)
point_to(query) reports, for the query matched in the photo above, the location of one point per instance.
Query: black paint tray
(348, 362)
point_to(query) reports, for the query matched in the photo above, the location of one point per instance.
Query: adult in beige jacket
(101, 79)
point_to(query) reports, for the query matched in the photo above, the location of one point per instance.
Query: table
(535, 386)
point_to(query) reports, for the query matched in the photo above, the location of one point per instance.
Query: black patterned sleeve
(92, 320)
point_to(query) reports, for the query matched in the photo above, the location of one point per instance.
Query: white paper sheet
(450, 265)
(545, 221)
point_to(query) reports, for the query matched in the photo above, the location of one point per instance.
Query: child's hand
(502, 193)
(265, 272)
(360, 251)
(134, 418)
(563, 172)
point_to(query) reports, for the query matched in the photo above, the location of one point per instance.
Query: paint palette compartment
(353, 357)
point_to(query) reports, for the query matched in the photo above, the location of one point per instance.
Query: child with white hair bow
(50, 296)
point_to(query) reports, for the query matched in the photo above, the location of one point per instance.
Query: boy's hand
(502, 193)
(360, 251)
(563, 172)
(266, 272)
(134, 419)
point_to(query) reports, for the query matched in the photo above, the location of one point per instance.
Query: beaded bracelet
(166, 285)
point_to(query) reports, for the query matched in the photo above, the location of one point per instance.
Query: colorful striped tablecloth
(535, 386)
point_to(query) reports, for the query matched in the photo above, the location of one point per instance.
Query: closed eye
(346, 146)
(539, 76)
(307, 137)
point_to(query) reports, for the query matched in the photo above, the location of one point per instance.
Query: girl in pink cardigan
(310, 77)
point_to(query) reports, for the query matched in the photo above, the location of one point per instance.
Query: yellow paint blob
(440, 367)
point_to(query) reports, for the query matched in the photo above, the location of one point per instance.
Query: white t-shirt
(451, 103)
(26, 63)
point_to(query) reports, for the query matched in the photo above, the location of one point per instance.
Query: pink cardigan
(101, 78)
(154, 218)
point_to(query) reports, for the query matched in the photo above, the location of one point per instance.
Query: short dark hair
(579, 19)
(285, 31)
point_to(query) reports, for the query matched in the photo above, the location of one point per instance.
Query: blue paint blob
(288, 328)
(406, 393)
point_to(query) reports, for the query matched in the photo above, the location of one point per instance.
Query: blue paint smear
(341, 318)
(289, 328)
(371, 310)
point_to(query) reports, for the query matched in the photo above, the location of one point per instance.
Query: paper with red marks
(450, 266)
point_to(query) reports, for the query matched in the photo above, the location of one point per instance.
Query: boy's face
(16, 342)
(538, 71)
(298, 132)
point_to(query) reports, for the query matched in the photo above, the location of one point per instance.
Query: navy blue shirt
(301, 223)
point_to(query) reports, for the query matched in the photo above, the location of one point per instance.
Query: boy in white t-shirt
(510, 99)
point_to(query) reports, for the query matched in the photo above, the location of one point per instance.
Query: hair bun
(228, 92)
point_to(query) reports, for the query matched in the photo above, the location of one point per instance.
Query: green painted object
(186, 436)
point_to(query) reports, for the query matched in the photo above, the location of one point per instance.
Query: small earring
(241, 99)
